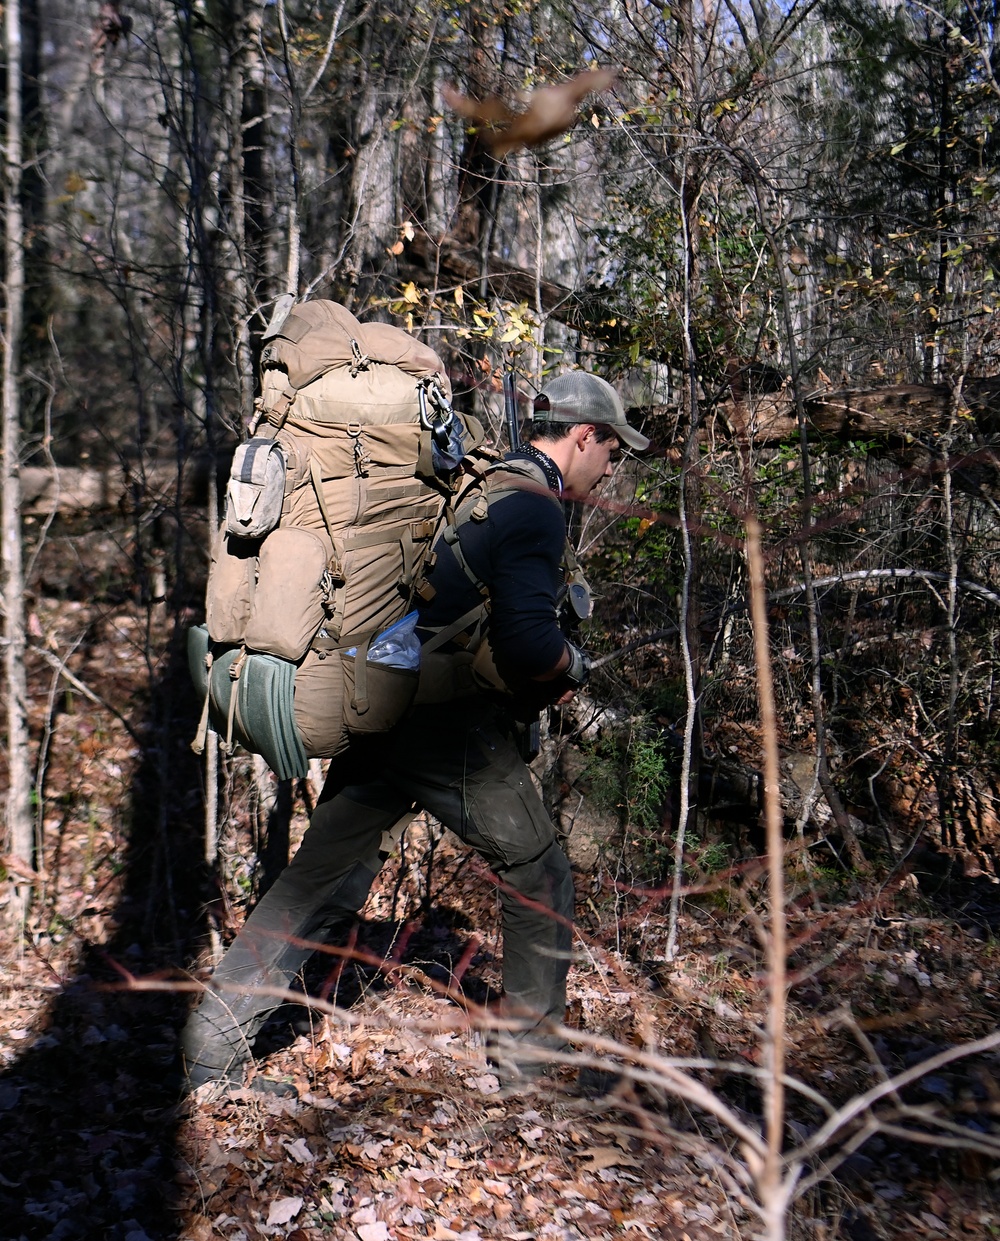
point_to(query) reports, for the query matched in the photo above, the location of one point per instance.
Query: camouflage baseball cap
(579, 396)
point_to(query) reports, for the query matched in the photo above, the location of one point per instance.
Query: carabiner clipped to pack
(447, 439)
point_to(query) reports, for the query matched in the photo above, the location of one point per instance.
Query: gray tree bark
(19, 821)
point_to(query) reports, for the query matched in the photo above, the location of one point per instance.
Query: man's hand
(577, 671)
(571, 672)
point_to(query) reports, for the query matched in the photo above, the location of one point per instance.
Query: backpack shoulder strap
(473, 504)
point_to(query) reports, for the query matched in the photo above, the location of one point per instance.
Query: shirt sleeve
(526, 543)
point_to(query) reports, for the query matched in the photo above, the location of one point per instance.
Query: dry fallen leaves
(283, 1210)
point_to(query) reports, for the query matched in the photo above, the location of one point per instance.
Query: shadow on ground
(88, 1114)
(87, 1124)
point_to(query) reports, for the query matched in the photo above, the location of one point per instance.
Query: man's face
(590, 464)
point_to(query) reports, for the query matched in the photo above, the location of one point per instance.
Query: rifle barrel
(510, 409)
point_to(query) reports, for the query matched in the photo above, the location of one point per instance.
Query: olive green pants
(458, 761)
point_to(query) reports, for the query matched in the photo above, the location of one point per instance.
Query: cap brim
(629, 435)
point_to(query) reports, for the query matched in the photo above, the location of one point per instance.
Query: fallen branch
(54, 661)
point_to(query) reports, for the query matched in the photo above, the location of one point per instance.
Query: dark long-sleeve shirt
(517, 553)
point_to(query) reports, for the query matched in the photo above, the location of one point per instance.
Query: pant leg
(327, 879)
(461, 763)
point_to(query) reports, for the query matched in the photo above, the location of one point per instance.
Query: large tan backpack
(358, 418)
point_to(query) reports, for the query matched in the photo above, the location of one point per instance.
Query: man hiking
(499, 581)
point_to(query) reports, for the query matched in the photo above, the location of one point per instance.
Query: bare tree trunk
(690, 189)
(241, 94)
(19, 823)
(293, 264)
(950, 750)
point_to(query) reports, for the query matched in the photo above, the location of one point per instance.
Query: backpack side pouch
(485, 675)
(256, 488)
(383, 697)
(232, 581)
(292, 588)
(319, 699)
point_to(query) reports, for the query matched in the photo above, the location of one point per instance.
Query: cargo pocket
(504, 816)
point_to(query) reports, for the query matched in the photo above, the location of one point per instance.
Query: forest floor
(398, 1127)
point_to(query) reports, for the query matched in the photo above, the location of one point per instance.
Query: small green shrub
(628, 776)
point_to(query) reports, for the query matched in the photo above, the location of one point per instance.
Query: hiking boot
(516, 1063)
(195, 1076)
(230, 1083)
(276, 1089)
(596, 1083)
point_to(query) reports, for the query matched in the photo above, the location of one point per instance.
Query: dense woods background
(776, 231)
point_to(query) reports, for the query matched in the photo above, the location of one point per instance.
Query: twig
(864, 1102)
(54, 661)
(861, 575)
(656, 636)
(774, 1191)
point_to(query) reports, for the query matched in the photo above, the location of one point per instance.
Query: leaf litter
(399, 1128)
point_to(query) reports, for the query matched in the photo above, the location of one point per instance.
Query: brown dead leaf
(433, 1188)
(214, 1157)
(938, 1203)
(599, 1157)
(21, 868)
(551, 110)
(198, 1228)
(532, 1162)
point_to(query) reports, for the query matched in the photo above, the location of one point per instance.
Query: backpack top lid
(319, 336)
